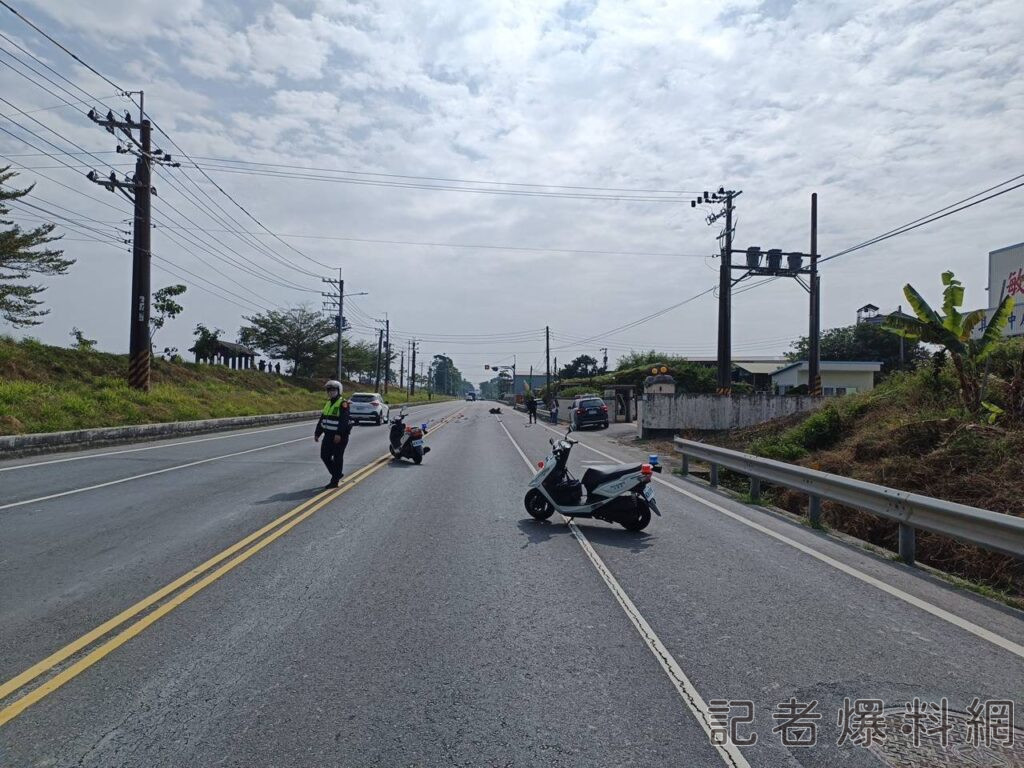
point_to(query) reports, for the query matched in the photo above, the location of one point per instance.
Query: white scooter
(616, 493)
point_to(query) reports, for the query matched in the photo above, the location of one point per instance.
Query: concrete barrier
(12, 446)
(659, 414)
(45, 442)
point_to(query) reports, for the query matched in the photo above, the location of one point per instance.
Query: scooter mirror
(551, 441)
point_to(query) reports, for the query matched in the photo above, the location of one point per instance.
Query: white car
(367, 406)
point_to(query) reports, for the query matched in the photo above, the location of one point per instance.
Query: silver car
(367, 406)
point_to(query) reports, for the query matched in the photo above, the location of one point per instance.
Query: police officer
(334, 425)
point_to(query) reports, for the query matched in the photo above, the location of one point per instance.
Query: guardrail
(991, 530)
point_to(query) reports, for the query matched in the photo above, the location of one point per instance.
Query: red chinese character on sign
(1015, 283)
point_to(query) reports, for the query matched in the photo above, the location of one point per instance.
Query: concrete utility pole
(547, 354)
(725, 301)
(401, 372)
(387, 350)
(139, 346)
(724, 281)
(139, 190)
(339, 319)
(604, 360)
(336, 303)
(814, 331)
(376, 373)
(412, 370)
(341, 323)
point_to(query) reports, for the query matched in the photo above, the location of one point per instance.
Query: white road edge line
(152, 447)
(147, 474)
(924, 605)
(728, 752)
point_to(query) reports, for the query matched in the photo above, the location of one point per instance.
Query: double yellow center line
(167, 598)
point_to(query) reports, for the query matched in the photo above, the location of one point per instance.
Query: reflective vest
(331, 419)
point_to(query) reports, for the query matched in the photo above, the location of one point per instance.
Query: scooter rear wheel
(643, 517)
(538, 506)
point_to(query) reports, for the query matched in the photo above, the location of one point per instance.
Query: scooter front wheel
(641, 519)
(538, 506)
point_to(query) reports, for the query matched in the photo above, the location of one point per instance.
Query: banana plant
(953, 331)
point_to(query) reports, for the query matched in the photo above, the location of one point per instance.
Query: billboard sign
(1006, 278)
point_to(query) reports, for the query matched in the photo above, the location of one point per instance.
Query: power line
(642, 320)
(123, 92)
(61, 46)
(447, 179)
(484, 246)
(932, 217)
(437, 187)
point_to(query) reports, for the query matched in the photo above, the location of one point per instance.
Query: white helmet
(332, 384)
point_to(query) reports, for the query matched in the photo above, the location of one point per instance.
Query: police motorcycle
(616, 493)
(407, 441)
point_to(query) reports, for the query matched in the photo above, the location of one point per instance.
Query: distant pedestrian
(263, 365)
(531, 409)
(554, 410)
(277, 368)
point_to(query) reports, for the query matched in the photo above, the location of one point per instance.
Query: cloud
(887, 110)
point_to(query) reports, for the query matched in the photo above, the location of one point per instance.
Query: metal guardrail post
(908, 543)
(714, 475)
(814, 510)
(755, 488)
(685, 469)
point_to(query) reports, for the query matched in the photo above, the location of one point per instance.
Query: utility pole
(401, 372)
(376, 375)
(139, 346)
(139, 190)
(547, 355)
(814, 331)
(725, 303)
(513, 378)
(336, 303)
(412, 370)
(339, 319)
(604, 360)
(725, 282)
(387, 348)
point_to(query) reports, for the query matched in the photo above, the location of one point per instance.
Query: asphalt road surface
(202, 602)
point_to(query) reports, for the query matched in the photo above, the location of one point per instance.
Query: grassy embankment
(909, 433)
(50, 389)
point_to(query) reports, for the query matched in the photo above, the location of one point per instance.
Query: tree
(582, 367)
(446, 378)
(358, 358)
(21, 257)
(298, 335)
(863, 341)
(206, 342)
(635, 359)
(165, 307)
(82, 343)
(953, 331)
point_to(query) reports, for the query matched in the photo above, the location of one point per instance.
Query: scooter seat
(595, 476)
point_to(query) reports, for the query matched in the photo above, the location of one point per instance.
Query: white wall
(712, 412)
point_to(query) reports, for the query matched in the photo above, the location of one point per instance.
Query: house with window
(838, 377)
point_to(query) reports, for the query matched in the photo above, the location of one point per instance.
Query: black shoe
(332, 484)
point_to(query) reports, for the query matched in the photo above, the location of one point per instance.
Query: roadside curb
(14, 446)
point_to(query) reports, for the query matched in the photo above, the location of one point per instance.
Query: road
(418, 617)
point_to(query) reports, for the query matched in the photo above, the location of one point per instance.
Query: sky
(887, 110)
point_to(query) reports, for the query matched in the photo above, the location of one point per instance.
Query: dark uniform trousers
(333, 455)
